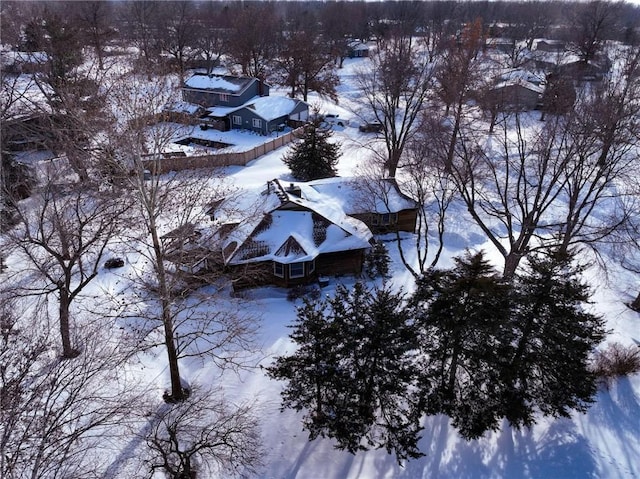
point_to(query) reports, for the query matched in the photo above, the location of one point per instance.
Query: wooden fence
(180, 162)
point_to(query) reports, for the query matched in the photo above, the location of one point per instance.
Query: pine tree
(548, 368)
(355, 372)
(498, 350)
(464, 314)
(314, 157)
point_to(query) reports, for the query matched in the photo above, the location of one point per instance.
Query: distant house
(504, 45)
(284, 237)
(356, 49)
(517, 89)
(222, 90)
(261, 115)
(516, 95)
(547, 45)
(583, 71)
(23, 62)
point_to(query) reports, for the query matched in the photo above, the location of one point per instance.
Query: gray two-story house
(222, 90)
(242, 103)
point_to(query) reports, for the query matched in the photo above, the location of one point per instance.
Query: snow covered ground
(603, 443)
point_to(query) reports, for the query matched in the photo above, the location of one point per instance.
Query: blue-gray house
(242, 103)
(222, 90)
(267, 114)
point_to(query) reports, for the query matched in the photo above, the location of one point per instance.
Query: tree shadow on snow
(559, 453)
(616, 414)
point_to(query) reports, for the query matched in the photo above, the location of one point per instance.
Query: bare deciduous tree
(306, 64)
(170, 210)
(509, 191)
(56, 413)
(253, 40)
(591, 23)
(393, 89)
(457, 71)
(177, 36)
(62, 237)
(204, 434)
(95, 20)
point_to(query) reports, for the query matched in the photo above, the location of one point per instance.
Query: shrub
(377, 261)
(616, 361)
(303, 290)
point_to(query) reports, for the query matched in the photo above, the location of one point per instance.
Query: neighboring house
(239, 103)
(378, 203)
(222, 90)
(547, 45)
(356, 49)
(583, 71)
(261, 115)
(185, 248)
(504, 45)
(518, 95)
(517, 89)
(288, 234)
(285, 238)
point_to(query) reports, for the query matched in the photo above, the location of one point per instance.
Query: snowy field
(603, 443)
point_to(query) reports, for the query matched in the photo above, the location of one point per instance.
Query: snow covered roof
(274, 224)
(24, 97)
(519, 74)
(356, 45)
(221, 83)
(519, 82)
(183, 107)
(12, 57)
(223, 111)
(272, 107)
(359, 195)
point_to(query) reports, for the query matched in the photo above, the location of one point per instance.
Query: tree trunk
(394, 160)
(63, 307)
(177, 392)
(511, 262)
(635, 304)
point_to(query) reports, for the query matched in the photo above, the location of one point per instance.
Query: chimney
(294, 190)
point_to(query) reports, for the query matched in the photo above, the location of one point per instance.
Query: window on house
(224, 97)
(278, 269)
(237, 120)
(385, 219)
(296, 270)
(257, 123)
(312, 266)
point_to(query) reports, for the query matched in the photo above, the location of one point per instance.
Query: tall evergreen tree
(355, 371)
(498, 350)
(548, 366)
(464, 318)
(314, 157)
